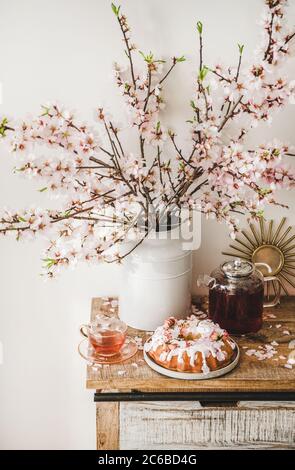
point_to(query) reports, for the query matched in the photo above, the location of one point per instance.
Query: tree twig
(231, 114)
(129, 51)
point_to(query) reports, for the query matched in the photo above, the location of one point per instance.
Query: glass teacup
(106, 335)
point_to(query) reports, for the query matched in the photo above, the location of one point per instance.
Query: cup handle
(277, 290)
(83, 328)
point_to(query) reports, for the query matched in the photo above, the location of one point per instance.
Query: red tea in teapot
(238, 313)
(236, 294)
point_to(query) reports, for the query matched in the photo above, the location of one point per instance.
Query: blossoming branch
(110, 192)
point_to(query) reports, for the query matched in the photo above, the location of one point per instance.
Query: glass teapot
(236, 296)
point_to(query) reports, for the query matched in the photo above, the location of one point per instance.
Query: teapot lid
(237, 268)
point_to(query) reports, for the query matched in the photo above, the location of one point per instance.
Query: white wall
(64, 49)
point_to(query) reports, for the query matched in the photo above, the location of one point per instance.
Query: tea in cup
(106, 335)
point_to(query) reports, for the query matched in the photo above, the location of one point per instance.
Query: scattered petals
(139, 342)
(291, 357)
(251, 352)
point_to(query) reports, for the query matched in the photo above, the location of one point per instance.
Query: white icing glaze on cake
(193, 336)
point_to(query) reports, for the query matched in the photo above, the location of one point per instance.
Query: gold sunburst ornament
(269, 247)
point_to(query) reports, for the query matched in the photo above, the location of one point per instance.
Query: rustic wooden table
(251, 407)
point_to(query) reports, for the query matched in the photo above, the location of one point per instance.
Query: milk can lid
(237, 268)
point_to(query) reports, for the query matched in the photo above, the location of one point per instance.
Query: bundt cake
(191, 345)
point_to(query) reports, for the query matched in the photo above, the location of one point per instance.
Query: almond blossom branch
(289, 38)
(125, 29)
(200, 31)
(241, 48)
(267, 55)
(109, 192)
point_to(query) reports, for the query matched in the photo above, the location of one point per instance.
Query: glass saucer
(88, 353)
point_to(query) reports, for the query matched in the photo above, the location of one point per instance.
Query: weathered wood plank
(184, 425)
(107, 426)
(250, 375)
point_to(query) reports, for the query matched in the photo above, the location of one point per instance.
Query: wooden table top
(251, 374)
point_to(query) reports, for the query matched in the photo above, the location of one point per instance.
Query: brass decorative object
(271, 248)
